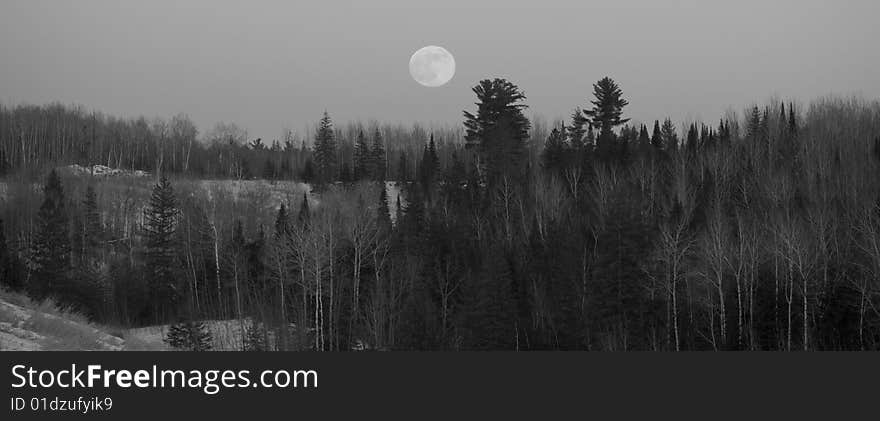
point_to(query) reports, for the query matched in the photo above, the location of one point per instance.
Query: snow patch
(103, 171)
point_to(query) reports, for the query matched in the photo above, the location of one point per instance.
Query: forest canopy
(760, 231)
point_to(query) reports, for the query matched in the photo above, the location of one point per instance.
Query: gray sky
(266, 65)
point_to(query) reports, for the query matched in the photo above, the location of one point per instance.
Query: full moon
(432, 66)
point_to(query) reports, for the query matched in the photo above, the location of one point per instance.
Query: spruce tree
(669, 135)
(792, 122)
(189, 336)
(50, 253)
(325, 151)
(693, 139)
(578, 129)
(554, 151)
(429, 166)
(657, 136)
(160, 253)
(644, 141)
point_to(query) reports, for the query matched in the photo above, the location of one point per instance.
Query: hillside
(29, 326)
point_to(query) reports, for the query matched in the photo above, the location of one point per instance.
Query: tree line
(34, 139)
(758, 233)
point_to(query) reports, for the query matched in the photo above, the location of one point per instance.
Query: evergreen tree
(429, 166)
(499, 130)
(50, 254)
(644, 141)
(325, 151)
(160, 253)
(554, 151)
(578, 129)
(669, 135)
(189, 336)
(693, 139)
(657, 136)
(607, 111)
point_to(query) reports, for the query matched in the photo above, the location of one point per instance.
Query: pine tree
(50, 254)
(754, 124)
(657, 136)
(499, 131)
(644, 141)
(189, 336)
(578, 129)
(693, 139)
(607, 111)
(377, 157)
(792, 122)
(161, 254)
(325, 150)
(554, 151)
(429, 166)
(669, 135)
